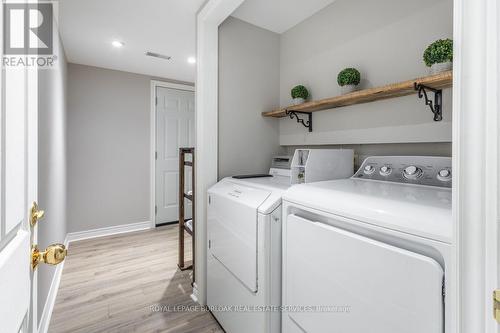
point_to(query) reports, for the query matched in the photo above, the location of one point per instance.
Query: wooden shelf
(437, 81)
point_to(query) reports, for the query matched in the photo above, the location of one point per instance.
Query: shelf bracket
(295, 114)
(436, 106)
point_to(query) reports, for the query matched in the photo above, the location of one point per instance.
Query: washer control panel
(421, 170)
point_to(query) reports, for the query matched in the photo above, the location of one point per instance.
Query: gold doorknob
(54, 254)
(35, 214)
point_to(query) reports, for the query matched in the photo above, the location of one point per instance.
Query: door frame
(152, 152)
(476, 81)
(476, 165)
(208, 19)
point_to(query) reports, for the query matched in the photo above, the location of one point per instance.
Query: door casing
(476, 201)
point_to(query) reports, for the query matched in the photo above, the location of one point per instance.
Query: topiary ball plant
(440, 51)
(349, 76)
(300, 92)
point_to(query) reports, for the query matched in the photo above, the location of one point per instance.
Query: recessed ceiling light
(192, 60)
(117, 43)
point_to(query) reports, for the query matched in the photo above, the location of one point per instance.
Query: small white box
(314, 165)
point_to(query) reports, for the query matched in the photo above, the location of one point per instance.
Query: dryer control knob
(412, 172)
(444, 175)
(369, 169)
(385, 170)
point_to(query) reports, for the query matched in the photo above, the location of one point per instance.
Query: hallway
(112, 284)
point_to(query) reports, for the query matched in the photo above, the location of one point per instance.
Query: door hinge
(209, 244)
(496, 305)
(156, 155)
(156, 209)
(156, 100)
(209, 200)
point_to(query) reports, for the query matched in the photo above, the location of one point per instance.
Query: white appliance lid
(276, 185)
(387, 289)
(418, 210)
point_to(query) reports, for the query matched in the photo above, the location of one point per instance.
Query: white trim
(171, 85)
(43, 325)
(454, 293)
(152, 144)
(475, 163)
(492, 86)
(194, 295)
(208, 19)
(108, 231)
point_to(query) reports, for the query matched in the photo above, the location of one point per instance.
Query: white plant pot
(348, 88)
(298, 100)
(441, 67)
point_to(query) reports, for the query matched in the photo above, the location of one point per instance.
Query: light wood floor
(109, 285)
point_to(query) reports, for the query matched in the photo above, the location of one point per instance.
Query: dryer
(244, 240)
(244, 253)
(370, 253)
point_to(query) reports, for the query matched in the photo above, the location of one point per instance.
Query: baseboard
(119, 229)
(43, 326)
(194, 295)
(76, 236)
(166, 223)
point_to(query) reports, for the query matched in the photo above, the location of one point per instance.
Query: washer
(370, 253)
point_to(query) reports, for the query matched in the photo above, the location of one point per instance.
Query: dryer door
(363, 285)
(232, 229)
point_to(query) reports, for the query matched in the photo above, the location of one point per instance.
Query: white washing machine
(370, 253)
(244, 238)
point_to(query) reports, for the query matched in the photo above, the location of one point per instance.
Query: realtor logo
(28, 35)
(28, 28)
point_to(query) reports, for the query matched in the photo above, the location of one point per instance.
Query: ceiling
(162, 26)
(278, 15)
(88, 27)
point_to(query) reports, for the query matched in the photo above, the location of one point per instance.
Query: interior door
(174, 129)
(19, 253)
(18, 180)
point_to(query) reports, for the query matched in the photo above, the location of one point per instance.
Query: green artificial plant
(438, 52)
(349, 76)
(300, 92)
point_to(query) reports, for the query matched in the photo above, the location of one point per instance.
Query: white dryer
(370, 253)
(244, 254)
(244, 239)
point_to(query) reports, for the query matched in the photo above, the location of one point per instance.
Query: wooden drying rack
(182, 195)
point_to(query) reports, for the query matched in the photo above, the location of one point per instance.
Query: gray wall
(248, 85)
(385, 40)
(52, 151)
(108, 148)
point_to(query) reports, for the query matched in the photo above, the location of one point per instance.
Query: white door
(174, 129)
(18, 170)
